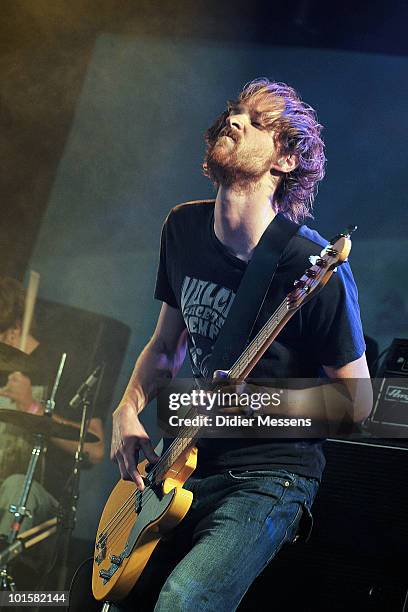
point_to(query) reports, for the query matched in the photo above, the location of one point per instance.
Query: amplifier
(391, 391)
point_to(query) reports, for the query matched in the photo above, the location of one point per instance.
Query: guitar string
(130, 499)
(137, 493)
(284, 306)
(125, 513)
(121, 523)
(125, 523)
(253, 347)
(249, 355)
(119, 527)
(127, 507)
(280, 311)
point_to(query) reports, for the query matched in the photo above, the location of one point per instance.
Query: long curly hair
(296, 131)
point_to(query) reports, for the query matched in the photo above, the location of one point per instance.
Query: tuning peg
(310, 273)
(316, 260)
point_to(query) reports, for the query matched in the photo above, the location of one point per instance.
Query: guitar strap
(253, 288)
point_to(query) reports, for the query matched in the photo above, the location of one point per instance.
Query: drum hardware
(27, 539)
(48, 425)
(52, 426)
(6, 581)
(19, 510)
(84, 396)
(43, 427)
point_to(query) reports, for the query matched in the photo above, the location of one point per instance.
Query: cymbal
(51, 427)
(13, 360)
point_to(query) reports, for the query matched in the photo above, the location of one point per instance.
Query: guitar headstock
(315, 277)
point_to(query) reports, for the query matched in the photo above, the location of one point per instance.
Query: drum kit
(41, 428)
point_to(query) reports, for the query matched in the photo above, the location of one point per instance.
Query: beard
(230, 163)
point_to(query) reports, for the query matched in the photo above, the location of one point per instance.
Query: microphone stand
(69, 513)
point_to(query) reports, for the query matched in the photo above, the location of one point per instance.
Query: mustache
(228, 131)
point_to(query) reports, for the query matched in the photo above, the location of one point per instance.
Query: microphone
(85, 387)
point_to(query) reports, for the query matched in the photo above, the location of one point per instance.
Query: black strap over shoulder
(236, 331)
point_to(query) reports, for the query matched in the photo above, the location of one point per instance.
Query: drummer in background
(19, 392)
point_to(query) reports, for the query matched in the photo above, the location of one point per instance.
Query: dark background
(103, 107)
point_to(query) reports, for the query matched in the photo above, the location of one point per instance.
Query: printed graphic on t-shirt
(205, 306)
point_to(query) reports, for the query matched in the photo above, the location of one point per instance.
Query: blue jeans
(236, 525)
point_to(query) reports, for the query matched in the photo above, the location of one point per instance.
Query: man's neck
(240, 218)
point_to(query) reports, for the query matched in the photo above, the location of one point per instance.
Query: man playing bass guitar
(265, 156)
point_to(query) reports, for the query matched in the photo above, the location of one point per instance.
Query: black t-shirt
(198, 275)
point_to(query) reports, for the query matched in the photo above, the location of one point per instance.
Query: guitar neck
(264, 338)
(185, 440)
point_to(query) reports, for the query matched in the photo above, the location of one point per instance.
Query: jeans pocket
(293, 528)
(305, 525)
(310, 487)
(282, 477)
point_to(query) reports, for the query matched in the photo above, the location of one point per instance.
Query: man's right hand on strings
(129, 437)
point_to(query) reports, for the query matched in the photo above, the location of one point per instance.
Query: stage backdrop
(135, 150)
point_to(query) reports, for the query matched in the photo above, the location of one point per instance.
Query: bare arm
(356, 378)
(350, 395)
(159, 362)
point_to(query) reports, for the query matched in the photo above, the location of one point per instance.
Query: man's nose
(236, 121)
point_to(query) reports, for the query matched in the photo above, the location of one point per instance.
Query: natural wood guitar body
(132, 525)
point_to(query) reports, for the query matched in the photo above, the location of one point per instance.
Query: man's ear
(286, 163)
